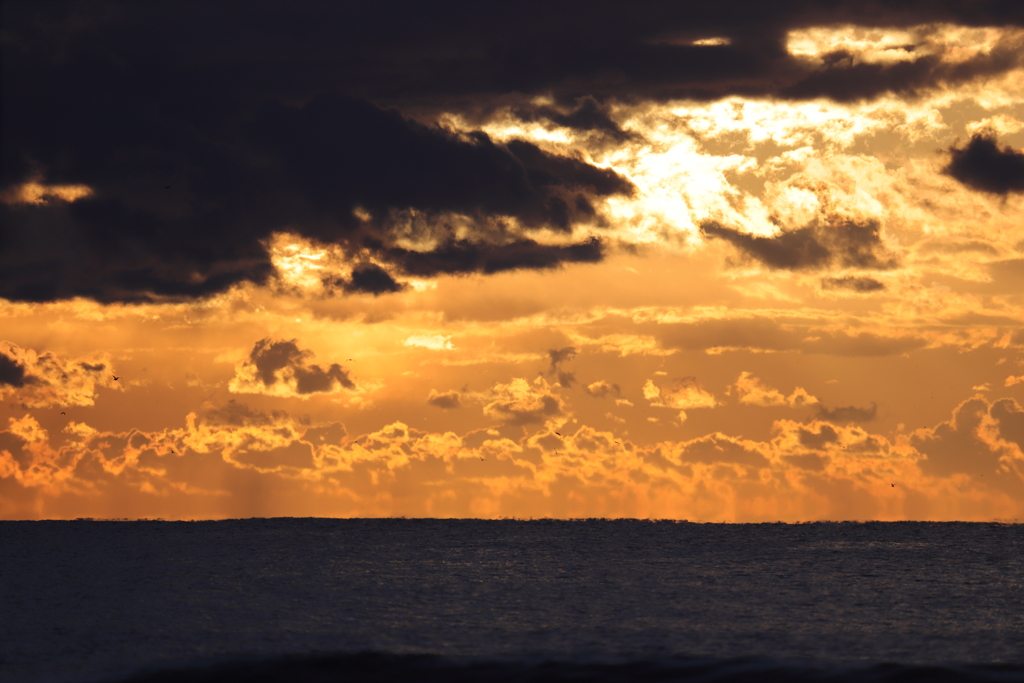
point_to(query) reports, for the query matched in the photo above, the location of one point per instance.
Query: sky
(724, 262)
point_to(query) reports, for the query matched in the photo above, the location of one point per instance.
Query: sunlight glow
(38, 193)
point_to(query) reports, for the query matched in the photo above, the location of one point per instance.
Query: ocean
(509, 600)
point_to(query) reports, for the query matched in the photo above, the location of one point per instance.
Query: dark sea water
(464, 600)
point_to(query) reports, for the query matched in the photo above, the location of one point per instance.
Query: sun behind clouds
(437, 268)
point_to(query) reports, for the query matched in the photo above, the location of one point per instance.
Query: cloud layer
(298, 131)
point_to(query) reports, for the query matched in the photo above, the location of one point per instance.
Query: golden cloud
(754, 392)
(40, 380)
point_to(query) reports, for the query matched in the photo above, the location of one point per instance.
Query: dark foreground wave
(369, 667)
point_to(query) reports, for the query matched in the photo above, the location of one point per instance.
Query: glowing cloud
(40, 380)
(683, 393)
(434, 342)
(752, 391)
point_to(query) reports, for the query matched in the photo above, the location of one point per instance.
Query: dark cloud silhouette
(715, 448)
(463, 256)
(12, 373)
(276, 360)
(234, 414)
(848, 413)
(94, 367)
(204, 127)
(343, 153)
(843, 244)
(336, 169)
(371, 279)
(15, 445)
(587, 115)
(824, 436)
(559, 356)
(844, 79)
(852, 283)
(982, 165)
(445, 400)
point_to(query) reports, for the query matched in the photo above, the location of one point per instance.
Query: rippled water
(101, 600)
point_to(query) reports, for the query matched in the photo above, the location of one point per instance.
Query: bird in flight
(115, 377)
(558, 433)
(63, 413)
(892, 485)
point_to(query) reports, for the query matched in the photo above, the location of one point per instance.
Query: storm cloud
(982, 165)
(203, 128)
(178, 212)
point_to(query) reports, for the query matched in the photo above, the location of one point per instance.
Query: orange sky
(799, 314)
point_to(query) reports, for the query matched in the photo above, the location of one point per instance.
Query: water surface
(89, 600)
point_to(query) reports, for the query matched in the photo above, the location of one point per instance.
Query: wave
(372, 667)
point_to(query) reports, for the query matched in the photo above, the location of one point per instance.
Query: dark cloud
(852, 283)
(463, 256)
(983, 166)
(845, 79)
(1011, 420)
(234, 414)
(848, 413)
(459, 51)
(716, 448)
(342, 153)
(824, 436)
(587, 115)
(15, 445)
(204, 127)
(94, 367)
(12, 373)
(182, 209)
(446, 400)
(371, 279)
(559, 356)
(275, 360)
(843, 244)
